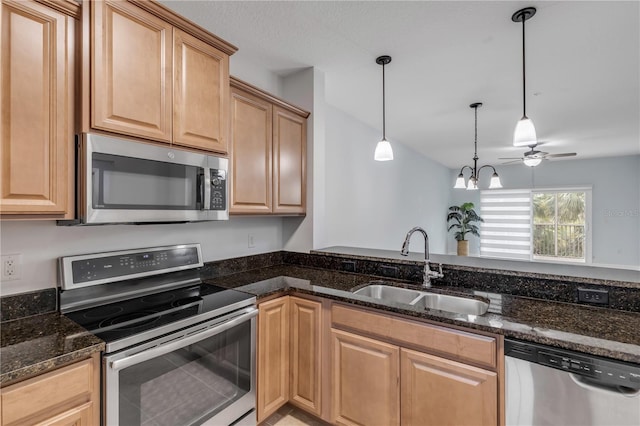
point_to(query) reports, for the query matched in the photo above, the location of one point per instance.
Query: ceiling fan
(534, 157)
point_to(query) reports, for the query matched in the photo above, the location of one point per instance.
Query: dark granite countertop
(597, 331)
(37, 344)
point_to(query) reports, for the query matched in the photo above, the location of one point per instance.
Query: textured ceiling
(583, 67)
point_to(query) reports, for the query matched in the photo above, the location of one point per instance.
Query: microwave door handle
(181, 343)
(206, 189)
(200, 190)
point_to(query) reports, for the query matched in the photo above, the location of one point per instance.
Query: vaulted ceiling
(583, 67)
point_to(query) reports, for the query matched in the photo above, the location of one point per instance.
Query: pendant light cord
(524, 78)
(384, 137)
(475, 145)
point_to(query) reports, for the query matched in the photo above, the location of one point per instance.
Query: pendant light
(383, 148)
(494, 183)
(525, 133)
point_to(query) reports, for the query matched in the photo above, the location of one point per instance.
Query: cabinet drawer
(459, 345)
(48, 394)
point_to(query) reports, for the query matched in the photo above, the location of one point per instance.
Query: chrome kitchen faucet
(428, 273)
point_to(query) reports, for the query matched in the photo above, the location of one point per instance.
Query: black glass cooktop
(148, 316)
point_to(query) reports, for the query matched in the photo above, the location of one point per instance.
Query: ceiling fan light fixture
(460, 183)
(525, 133)
(532, 162)
(383, 151)
(495, 183)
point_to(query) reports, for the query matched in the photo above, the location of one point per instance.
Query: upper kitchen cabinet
(268, 153)
(156, 76)
(38, 97)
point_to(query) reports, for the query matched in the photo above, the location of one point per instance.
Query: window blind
(506, 230)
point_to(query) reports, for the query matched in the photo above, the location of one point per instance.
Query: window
(545, 225)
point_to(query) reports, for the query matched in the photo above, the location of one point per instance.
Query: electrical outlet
(11, 267)
(251, 243)
(590, 295)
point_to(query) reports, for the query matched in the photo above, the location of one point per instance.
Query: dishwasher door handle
(621, 391)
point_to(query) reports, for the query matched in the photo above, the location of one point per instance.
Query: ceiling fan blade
(513, 161)
(564, 154)
(510, 158)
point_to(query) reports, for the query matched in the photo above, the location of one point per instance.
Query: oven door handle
(181, 343)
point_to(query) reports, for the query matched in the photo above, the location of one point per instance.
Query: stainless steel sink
(389, 293)
(459, 305)
(425, 299)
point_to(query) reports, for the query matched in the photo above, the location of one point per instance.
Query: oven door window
(128, 183)
(190, 385)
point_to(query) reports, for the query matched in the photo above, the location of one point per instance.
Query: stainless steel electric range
(178, 351)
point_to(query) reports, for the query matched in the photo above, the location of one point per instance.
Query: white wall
(42, 242)
(373, 204)
(616, 200)
(305, 89)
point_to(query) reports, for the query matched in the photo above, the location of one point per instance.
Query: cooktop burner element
(128, 311)
(137, 319)
(103, 312)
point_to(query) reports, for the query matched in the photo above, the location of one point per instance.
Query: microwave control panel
(218, 189)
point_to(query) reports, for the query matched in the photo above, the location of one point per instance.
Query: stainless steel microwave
(125, 181)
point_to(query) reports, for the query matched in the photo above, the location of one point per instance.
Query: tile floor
(288, 415)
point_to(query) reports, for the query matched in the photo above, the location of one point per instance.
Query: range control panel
(218, 189)
(80, 271)
(612, 373)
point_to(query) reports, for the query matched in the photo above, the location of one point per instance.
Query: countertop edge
(11, 377)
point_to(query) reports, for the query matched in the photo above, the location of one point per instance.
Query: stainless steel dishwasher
(550, 386)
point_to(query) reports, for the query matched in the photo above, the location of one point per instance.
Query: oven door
(203, 375)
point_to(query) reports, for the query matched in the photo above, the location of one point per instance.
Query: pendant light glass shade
(495, 183)
(525, 133)
(460, 182)
(532, 162)
(383, 151)
(473, 184)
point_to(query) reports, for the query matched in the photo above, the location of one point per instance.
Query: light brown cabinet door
(66, 396)
(131, 71)
(201, 93)
(37, 108)
(437, 391)
(306, 347)
(273, 356)
(366, 388)
(251, 146)
(289, 160)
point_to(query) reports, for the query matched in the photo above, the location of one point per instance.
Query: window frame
(588, 258)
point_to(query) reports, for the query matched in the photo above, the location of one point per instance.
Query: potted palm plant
(464, 217)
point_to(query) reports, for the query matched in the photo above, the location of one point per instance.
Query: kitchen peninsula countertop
(37, 344)
(597, 331)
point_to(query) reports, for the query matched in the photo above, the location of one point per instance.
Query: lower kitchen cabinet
(306, 346)
(67, 396)
(353, 366)
(438, 391)
(273, 356)
(365, 381)
(386, 372)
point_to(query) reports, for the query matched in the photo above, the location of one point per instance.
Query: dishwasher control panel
(613, 373)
